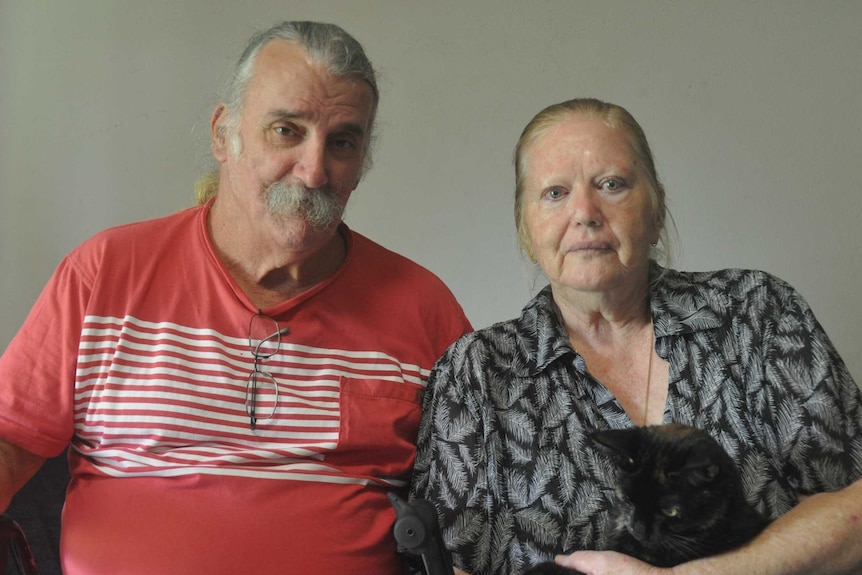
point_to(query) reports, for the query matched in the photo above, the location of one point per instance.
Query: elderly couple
(241, 384)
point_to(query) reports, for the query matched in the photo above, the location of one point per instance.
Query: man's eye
(284, 131)
(344, 144)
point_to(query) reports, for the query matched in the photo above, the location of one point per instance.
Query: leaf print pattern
(503, 451)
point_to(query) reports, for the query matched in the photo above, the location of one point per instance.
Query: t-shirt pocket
(378, 426)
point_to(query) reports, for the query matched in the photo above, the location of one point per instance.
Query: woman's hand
(607, 563)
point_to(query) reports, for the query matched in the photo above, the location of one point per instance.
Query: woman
(614, 341)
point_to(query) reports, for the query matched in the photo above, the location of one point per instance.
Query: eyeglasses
(262, 329)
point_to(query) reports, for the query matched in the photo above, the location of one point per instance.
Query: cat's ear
(620, 444)
(700, 470)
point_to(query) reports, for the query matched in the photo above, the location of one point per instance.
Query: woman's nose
(585, 207)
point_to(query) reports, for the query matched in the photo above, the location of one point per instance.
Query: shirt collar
(545, 337)
(677, 307)
(680, 306)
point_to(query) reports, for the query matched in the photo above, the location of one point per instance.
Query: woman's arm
(820, 536)
(449, 470)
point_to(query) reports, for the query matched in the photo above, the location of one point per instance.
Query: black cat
(679, 497)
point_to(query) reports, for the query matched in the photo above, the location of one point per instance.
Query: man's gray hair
(338, 51)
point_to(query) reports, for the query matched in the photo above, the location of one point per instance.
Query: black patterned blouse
(502, 447)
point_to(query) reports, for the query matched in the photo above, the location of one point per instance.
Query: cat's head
(673, 481)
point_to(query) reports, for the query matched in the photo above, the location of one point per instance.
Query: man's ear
(218, 133)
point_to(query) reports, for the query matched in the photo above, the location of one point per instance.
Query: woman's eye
(344, 144)
(554, 193)
(612, 185)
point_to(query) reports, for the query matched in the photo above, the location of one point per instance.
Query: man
(240, 382)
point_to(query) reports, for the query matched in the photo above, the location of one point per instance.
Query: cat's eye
(672, 511)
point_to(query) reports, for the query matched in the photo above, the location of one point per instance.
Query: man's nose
(310, 167)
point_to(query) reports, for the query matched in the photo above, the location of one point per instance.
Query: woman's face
(586, 207)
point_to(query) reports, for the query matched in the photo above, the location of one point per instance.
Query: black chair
(36, 510)
(15, 556)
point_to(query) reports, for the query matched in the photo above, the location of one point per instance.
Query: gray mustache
(318, 207)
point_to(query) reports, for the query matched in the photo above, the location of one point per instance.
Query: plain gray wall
(752, 110)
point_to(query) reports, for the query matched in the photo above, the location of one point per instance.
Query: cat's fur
(679, 497)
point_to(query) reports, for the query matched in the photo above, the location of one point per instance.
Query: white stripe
(285, 416)
(257, 474)
(214, 338)
(161, 399)
(252, 472)
(225, 359)
(233, 391)
(322, 408)
(123, 459)
(226, 356)
(160, 445)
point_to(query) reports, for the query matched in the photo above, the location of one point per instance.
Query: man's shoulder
(375, 257)
(134, 243)
(365, 246)
(145, 233)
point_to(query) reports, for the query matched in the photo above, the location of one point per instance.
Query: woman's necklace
(648, 376)
(649, 379)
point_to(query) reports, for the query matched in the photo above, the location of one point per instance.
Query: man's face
(303, 136)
